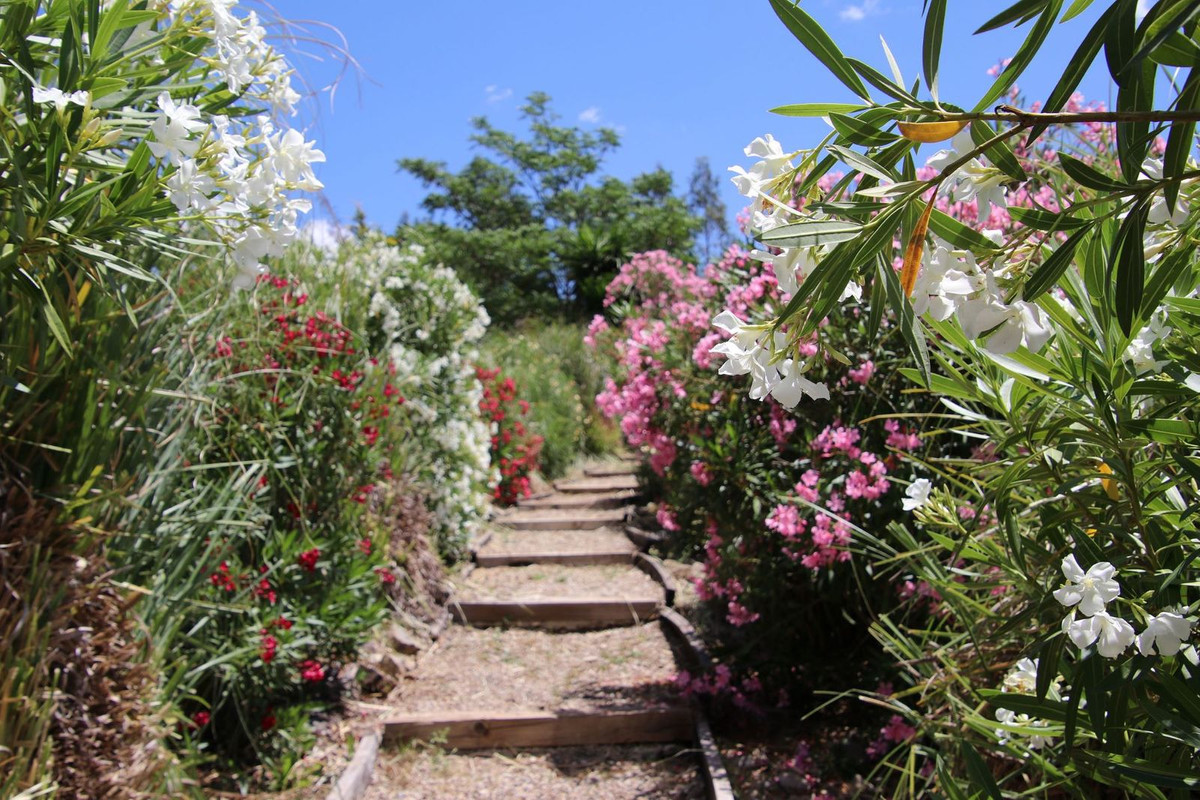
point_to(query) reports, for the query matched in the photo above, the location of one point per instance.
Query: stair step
(581, 500)
(484, 730)
(612, 484)
(574, 612)
(611, 470)
(552, 519)
(518, 559)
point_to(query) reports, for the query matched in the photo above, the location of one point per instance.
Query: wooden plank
(655, 569)
(356, 778)
(687, 641)
(619, 483)
(581, 500)
(573, 612)
(643, 539)
(563, 522)
(611, 471)
(716, 780)
(569, 559)
(474, 730)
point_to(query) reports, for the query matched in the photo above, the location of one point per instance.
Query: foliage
(514, 450)
(1042, 272)
(532, 227)
(560, 378)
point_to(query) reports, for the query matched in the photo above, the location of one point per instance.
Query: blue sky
(676, 79)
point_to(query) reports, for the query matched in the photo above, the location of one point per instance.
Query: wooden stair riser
(484, 730)
(564, 523)
(581, 501)
(564, 559)
(555, 613)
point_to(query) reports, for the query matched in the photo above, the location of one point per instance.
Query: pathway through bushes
(557, 681)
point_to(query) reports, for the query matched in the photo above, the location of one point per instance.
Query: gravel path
(553, 581)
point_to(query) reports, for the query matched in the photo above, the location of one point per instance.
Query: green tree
(704, 200)
(533, 226)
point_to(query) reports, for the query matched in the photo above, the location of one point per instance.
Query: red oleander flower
(312, 671)
(308, 559)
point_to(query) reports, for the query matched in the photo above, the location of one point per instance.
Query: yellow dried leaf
(1110, 484)
(914, 251)
(930, 131)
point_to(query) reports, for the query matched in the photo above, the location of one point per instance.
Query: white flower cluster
(1022, 679)
(952, 283)
(1090, 592)
(430, 324)
(754, 350)
(235, 174)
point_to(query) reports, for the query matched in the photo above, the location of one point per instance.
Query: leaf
(1180, 140)
(959, 235)
(1050, 270)
(910, 328)
(977, 770)
(1177, 51)
(1025, 53)
(1129, 262)
(927, 132)
(1159, 29)
(811, 233)
(877, 79)
(1077, 8)
(1047, 220)
(1151, 772)
(856, 131)
(931, 45)
(999, 152)
(914, 250)
(862, 163)
(1074, 71)
(816, 109)
(1088, 176)
(878, 303)
(817, 41)
(1020, 13)
(891, 59)
(1164, 277)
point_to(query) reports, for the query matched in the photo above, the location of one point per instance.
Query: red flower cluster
(312, 671)
(222, 579)
(514, 450)
(308, 559)
(268, 647)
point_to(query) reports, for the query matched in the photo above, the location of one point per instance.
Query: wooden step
(573, 559)
(475, 730)
(611, 470)
(553, 519)
(614, 484)
(581, 500)
(554, 612)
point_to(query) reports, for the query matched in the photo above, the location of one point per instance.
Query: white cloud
(495, 94)
(590, 115)
(859, 12)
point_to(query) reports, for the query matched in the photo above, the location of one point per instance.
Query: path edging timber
(356, 777)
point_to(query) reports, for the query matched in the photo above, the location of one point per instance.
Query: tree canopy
(532, 224)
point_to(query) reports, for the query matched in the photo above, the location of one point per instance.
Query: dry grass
(580, 773)
(471, 668)
(506, 540)
(553, 581)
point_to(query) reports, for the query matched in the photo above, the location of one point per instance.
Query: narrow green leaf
(856, 131)
(1177, 51)
(959, 235)
(817, 41)
(1181, 139)
(1120, 38)
(910, 327)
(1000, 153)
(977, 770)
(1133, 137)
(1129, 262)
(1019, 13)
(1150, 772)
(1158, 30)
(1163, 277)
(816, 109)
(1047, 220)
(1088, 176)
(897, 76)
(1050, 270)
(878, 303)
(931, 45)
(811, 233)
(1074, 71)
(862, 163)
(1047, 670)
(54, 321)
(1077, 8)
(877, 79)
(1025, 53)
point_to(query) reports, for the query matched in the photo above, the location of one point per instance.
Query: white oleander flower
(1090, 590)
(1111, 635)
(1165, 633)
(917, 494)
